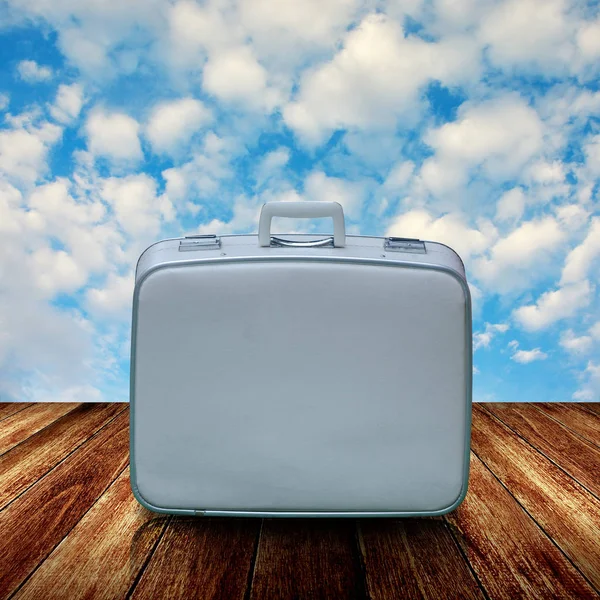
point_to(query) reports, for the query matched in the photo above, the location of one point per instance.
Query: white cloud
(87, 53)
(527, 356)
(297, 30)
(595, 330)
(173, 123)
(511, 205)
(39, 342)
(79, 224)
(591, 149)
(450, 229)
(114, 298)
(309, 21)
(588, 39)
(68, 103)
(271, 165)
(31, 72)
(113, 135)
(99, 39)
(528, 34)
(11, 218)
(572, 216)
(511, 258)
(554, 305)
(246, 213)
(55, 271)
(399, 175)
(195, 29)
(319, 186)
(73, 393)
(590, 390)
(476, 300)
(236, 75)
(53, 203)
(203, 176)
(137, 208)
(4, 101)
(356, 89)
(577, 345)
(580, 259)
(547, 172)
(499, 136)
(24, 149)
(482, 339)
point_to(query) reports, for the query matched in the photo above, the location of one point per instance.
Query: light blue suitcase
(300, 376)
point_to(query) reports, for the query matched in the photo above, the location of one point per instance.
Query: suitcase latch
(397, 244)
(199, 242)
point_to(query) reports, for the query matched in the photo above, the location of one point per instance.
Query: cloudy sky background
(471, 122)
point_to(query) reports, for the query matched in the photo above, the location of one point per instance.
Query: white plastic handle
(302, 210)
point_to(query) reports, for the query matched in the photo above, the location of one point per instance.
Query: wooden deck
(528, 528)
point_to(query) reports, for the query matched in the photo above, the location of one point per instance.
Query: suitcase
(300, 376)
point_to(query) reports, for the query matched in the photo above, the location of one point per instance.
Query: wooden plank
(578, 457)
(200, 558)
(563, 508)
(575, 417)
(38, 520)
(511, 555)
(307, 559)
(103, 554)
(26, 463)
(10, 408)
(19, 426)
(593, 407)
(414, 558)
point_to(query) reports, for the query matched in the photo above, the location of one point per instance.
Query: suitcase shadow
(143, 541)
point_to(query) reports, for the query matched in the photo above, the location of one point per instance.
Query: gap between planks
(566, 511)
(29, 535)
(42, 452)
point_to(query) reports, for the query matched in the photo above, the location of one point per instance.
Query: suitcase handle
(302, 210)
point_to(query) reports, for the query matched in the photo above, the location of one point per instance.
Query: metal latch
(199, 242)
(397, 244)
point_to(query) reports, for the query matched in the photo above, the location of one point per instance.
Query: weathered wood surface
(36, 522)
(576, 417)
(410, 558)
(103, 554)
(24, 423)
(26, 463)
(562, 507)
(308, 559)
(509, 552)
(575, 455)
(10, 408)
(528, 528)
(201, 558)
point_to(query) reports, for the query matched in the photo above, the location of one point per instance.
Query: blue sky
(473, 123)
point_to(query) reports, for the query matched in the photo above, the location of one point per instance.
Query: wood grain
(565, 510)
(19, 426)
(575, 417)
(410, 559)
(200, 558)
(10, 408)
(303, 558)
(26, 463)
(103, 554)
(578, 457)
(593, 407)
(70, 527)
(511, 555)
(38, 520)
